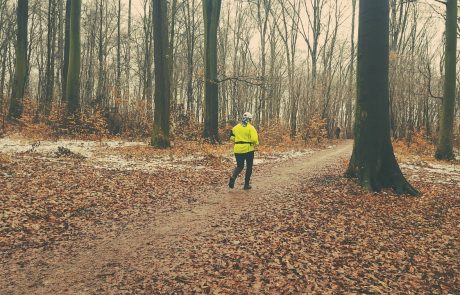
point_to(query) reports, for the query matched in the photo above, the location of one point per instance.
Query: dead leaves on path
(45, 201)
(328, 237)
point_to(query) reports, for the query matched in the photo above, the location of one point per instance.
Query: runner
(245, 137)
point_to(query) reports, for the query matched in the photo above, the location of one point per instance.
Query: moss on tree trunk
(373, 161)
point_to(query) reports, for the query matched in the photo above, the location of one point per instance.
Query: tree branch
(247, 80)
(428, 77)
(440, 1)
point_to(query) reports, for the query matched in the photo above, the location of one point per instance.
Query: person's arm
(254, 136)
(232, 136)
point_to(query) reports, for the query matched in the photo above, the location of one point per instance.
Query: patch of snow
(443, 173)
(278, 157)
(98, 154)
(89, 149)
(191, 158)
(48, 148)
(115, 162)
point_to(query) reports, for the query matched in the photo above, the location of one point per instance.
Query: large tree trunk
(373, 162)
(444, 149)
(211, 12)
(17, 96)
(73, 74)
(160, 132)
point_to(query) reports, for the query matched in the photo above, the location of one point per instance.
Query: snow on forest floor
(433, 172)
(125, 155)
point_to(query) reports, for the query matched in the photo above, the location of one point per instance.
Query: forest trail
(168, 242)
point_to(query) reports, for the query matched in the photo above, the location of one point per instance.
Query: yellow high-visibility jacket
(245, 138)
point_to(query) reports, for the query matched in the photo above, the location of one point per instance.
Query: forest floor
(111, 217)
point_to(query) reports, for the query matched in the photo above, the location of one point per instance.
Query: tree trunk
(171, 47)
(118, 81)
(160, 132)
(17, 96)
(128, 56)
(73, 74)
(351, 81)
(65, 68)
(190, 38)
(444, 149)
(373, 162)
(100, 93)
(211, 12)
(49, 74)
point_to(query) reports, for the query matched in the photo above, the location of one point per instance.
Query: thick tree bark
(73, 74)
(373, 162)
(160, 132)
(17, 96)
(444, 149)
(211, 12)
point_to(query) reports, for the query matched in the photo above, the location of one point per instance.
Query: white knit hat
(247, 115)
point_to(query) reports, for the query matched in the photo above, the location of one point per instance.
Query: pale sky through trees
(427, 11)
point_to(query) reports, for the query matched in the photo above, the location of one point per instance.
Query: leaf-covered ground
(71, 225)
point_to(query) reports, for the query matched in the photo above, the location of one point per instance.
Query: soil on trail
(159, 255)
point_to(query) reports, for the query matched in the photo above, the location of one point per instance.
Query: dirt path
(168, 243)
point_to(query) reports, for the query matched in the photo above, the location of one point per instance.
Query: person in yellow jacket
(245, 137)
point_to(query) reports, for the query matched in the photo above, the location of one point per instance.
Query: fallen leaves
(323, 235)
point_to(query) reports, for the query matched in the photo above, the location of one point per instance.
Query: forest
(288, 62)
(117, 140)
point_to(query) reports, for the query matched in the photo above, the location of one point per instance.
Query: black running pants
(240, 158)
